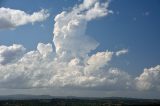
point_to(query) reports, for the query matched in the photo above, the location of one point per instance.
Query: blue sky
(133, 25)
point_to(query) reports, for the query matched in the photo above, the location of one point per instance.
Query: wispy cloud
(121, 52)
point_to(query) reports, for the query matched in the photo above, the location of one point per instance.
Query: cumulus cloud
(149, 79)
(11, 18)
(97, 61)
(44, 49)
(11, 53)
(36, 69)
(121, 52)
(72, 63)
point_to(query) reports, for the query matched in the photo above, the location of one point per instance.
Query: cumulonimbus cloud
(70, 64)
(11, 18)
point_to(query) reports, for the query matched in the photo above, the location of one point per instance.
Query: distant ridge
(24, 97)
(31, 97)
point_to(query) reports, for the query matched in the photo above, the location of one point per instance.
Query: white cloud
(44, 49)
(121, 52)
(149, 79)
(11, 18)
(118, 80)
(69, 29)
(11, 53)
(34, 69)
(97, 61)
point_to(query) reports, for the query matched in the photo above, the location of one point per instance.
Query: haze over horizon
(92, 48)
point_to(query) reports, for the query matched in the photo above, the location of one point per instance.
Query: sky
(93, 48)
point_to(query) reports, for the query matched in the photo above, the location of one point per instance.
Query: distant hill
(24, 97)
(30, 97)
